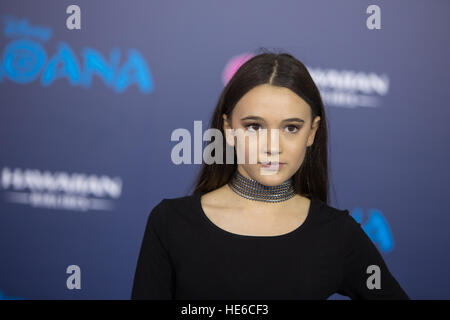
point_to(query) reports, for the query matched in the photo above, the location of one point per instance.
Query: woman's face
(268, 107)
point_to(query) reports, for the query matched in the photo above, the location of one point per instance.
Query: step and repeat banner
(92, 91)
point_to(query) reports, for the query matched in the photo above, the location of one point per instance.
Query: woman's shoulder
(180, 201)
(325, 212)
(170, 206)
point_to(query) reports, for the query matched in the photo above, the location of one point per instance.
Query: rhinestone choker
(253, 190)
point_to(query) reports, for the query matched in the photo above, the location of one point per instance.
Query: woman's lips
(271, 165)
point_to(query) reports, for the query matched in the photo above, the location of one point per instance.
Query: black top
(184, 255)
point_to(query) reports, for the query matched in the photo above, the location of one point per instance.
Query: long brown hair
(283, 70)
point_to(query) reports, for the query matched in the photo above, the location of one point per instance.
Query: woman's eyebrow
(261, 119)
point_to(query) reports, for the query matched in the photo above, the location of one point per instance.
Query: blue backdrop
(87, 115)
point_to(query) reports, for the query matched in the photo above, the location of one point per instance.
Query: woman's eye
(295, 129)
(252, 125)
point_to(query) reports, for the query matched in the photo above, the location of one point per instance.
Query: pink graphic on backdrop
(233, 65)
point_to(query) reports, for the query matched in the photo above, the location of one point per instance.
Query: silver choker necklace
(253, 190)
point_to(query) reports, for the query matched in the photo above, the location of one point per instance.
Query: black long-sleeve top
(184, 255)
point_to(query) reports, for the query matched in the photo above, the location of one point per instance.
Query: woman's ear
(229, 136)
(312, 134)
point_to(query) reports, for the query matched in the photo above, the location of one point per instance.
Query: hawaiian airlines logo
(348, 88)
(25, 60)
(60, 190)
(338, 88)
(233, 65)
(376, 228)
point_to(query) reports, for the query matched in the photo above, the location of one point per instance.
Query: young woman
(258, 230)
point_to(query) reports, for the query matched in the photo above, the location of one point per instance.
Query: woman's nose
(271, 142)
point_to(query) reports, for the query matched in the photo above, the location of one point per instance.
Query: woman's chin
(272, 172)
(271, 179)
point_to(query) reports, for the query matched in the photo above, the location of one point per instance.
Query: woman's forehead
(271, 113)
(269, 101)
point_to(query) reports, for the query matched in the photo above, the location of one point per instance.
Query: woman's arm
(359, 254)
(154, 276)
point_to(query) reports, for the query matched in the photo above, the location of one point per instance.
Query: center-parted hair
(282, 70)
